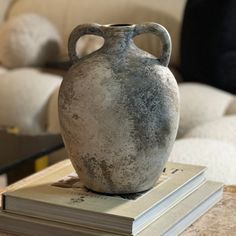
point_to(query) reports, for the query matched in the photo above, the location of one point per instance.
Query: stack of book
(54, 202)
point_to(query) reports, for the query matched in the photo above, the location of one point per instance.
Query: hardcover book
(172, 222)
(57, 194)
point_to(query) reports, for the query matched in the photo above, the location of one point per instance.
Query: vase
(119, 109)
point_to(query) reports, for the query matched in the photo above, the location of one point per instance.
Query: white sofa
(28, 97)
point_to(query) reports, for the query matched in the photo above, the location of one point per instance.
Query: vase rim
(119, 25)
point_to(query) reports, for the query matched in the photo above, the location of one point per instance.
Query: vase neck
(118, 38)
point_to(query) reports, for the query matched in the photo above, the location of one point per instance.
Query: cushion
(24, 99)
(53, 120)
(2, 70)
(231, 109)
(219, 157)
(199, 104)
(28, 40)
(221, 129)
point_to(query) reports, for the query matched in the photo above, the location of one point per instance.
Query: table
(219, 220)
(18, 149)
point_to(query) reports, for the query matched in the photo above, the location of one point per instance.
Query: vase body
(119, 110)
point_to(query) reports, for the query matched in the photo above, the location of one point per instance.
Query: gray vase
(119, 109)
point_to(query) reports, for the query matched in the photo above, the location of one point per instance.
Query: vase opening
(120, 25)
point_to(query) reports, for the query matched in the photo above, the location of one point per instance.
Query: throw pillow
(28, 40)
(231, 109)
(223, 129)
(53, 126)
(24, 99)
(200, 104)
(217, 156)
(2, 70)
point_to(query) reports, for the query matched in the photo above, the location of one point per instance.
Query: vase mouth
(121, 26)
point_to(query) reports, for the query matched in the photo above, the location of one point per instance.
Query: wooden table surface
(218, 221)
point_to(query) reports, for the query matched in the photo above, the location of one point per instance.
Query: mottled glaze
(119, 110)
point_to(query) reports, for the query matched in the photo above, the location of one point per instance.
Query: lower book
(57, 194)
(172, 222)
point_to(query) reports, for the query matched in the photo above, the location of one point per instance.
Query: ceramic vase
(119, 109)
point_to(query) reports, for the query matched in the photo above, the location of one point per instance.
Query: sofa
(28, 94)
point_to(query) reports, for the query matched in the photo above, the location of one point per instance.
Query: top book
(58, 195)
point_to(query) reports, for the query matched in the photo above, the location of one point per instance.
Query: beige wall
(66, 14)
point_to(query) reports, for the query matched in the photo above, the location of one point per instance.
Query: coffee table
(18, 152)
(219, 220)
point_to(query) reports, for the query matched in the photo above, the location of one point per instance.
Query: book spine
(31, 178)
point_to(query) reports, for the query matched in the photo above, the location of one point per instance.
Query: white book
(171, 223)
(58, 195)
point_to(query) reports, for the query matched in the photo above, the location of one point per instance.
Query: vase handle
(77, 33)
(162, 33)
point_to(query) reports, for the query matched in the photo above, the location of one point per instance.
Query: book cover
(58, 194)
(172, 222)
